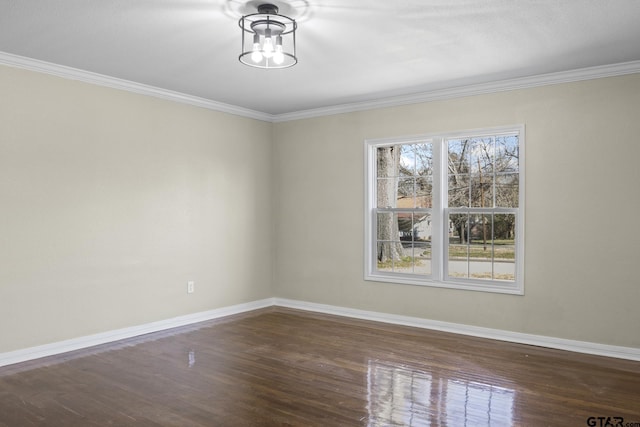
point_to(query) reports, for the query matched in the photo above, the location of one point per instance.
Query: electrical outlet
(191, 286)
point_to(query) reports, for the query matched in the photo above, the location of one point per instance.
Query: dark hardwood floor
(282, 367)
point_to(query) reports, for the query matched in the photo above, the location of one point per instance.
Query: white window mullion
(439, 223)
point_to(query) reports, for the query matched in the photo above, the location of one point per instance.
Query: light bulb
(278, 56)
(268, 44)
(256, 56)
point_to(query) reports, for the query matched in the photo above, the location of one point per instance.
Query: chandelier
(268, 39)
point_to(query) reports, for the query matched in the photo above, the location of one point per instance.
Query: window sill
(468, 285)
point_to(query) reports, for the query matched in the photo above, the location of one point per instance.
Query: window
(447, 210)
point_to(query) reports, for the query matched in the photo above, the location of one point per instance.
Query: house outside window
(447, 210)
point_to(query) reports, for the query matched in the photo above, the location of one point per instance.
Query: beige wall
(582, 203)
(112, 201)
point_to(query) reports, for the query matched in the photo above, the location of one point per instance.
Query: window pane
(407, 160)
(396, 193)
(507, 190)
(505, 247)
(481, 247)
(458, 191)
(384, 263)
(422, 257)
(422, 227)
(385, 225)
(506, 153)
(505, 269)
(480, 228)
(406, 193)
(402, 261)
(424, 159)
(386, 192)
(458, 155)
(424, 192)
(388, 161)
(458, 245)
(481, 156)
(505, 229)
(405, 226)
(481, 191)
(392, 256)
(392, 226)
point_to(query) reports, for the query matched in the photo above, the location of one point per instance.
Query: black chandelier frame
(267, 23)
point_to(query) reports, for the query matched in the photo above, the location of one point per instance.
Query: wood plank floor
(282, 367)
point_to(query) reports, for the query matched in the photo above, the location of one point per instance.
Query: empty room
(319, 213)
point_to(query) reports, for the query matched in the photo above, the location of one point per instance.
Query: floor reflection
(401, 396)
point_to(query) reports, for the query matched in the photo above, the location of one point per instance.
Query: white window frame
(439, 211)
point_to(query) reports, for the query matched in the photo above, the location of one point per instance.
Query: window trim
(439, 276)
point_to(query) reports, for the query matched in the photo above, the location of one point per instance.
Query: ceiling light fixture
(268, 39)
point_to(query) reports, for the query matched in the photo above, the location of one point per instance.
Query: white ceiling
(349, 50)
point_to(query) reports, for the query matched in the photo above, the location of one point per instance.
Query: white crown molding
(30, 64)
(31, 353)
(629, 353)
(435, 95)
(470, 90)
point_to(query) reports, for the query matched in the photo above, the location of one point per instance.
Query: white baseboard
(32, 353)
(60, 347)
(629, 353)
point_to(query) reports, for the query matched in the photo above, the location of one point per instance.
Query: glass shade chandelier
(268, 39)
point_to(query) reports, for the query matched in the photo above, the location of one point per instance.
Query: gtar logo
(605, 422)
